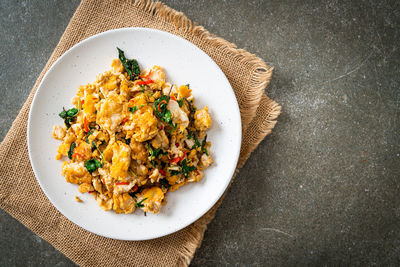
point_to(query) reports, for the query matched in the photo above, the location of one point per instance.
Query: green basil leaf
(72, 112)
(139, 204)
(203, 144)
(164, 183)
(174, 172)
(131, 65)
(180, 102)
(71, 150)
(92, 164)
(196, 142)
(94, 147)
(186, 169)
(63, 114)
(168, 117)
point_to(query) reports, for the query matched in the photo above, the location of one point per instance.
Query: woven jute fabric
(21, 195)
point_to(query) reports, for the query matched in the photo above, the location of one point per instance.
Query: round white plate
(184, 63)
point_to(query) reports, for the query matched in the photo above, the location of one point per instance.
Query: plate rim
(30, 129)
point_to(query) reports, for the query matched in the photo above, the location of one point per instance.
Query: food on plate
(131, 137)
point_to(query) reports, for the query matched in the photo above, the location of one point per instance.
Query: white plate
(184, 63)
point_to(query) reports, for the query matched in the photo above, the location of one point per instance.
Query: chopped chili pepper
(197, 171)
(104, 182)
(162, 127)
(135, 188)
(162, 172)
(144, 82)
(76, 154)
(173, 97)
(122, 183)
(85, 124)
(83, 101)
(147, 76)
(177, 159)
(177, 144)
(124, 120)
(158, 106)
(91, 192)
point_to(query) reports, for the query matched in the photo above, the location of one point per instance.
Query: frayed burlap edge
(262, 72)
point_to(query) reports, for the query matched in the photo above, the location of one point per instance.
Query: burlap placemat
(20, 194)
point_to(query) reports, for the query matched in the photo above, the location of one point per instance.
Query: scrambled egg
(130, 138)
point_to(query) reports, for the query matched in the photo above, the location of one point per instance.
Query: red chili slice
(158, 106)
(162, 172)
(144, 82)
(176, 160)
(147, 76)
(76, 154)
(122, 183)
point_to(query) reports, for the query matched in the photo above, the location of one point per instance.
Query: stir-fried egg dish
(132, 137)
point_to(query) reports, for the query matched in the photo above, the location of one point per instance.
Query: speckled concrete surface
(324, 187)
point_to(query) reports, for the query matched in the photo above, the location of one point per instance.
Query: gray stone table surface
(324, 187)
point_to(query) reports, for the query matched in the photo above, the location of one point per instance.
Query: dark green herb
(72, 112)
(196, 142)
(131, 65)
(203, 144)
(63, 114)
(190, 135)
(154, 153)
(188, 86)
(180, 102)
(174, 172)
(94, 147)
(160, 105)
(127, 141)
(68, 121)
(186, 169)
(162, 111)
(134, 108)
(92, 125)
(87, 136)
(143, 87)
(92, 164)
(164, 183)
(133, 194)
(71, 150)
(68, 116)
(168, 117)
(139, 204)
